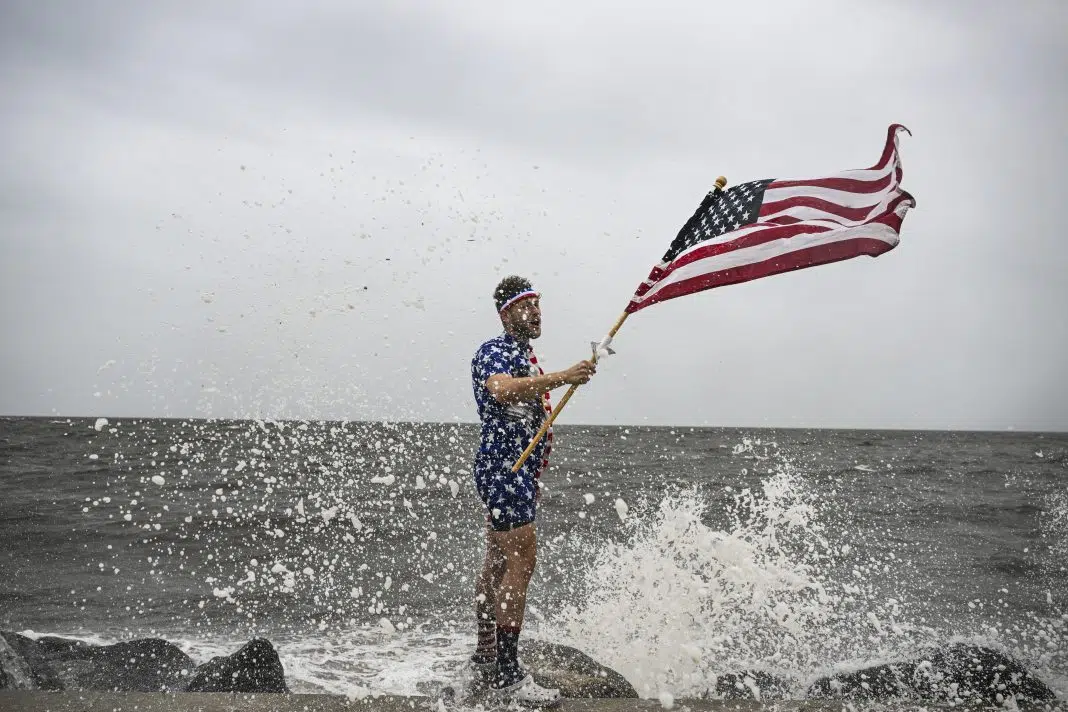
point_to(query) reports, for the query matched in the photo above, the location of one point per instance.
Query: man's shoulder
(499, 344)
(495, 355)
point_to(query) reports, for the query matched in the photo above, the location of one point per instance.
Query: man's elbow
(504, 397)
(498, 388)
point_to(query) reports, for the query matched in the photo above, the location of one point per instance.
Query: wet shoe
(482, 675)
(528, 692)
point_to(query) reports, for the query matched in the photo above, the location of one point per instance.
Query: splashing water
(1055, 527)
(293, 528)
(682, 602)
(355, 664)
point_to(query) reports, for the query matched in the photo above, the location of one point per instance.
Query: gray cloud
(200, 192)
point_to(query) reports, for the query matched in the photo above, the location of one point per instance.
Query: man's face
(524, 318)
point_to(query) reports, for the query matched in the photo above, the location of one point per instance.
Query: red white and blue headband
(528, 294)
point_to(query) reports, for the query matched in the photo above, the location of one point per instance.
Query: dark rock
(879, 682)
(14, 672)
(147, 665)
(958, 673)
(254, 668)
(749, 685)
(981, 673)
(573, 672)
(34, 661)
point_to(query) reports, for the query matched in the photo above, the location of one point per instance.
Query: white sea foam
(355, 663)
(1055, 527)
(373, 661)
(680, 602)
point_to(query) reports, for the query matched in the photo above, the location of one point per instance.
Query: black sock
(507, 655)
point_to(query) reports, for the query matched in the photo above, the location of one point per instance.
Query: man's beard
(526, 331)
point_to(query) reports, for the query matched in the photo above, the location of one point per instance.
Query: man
(512, 394)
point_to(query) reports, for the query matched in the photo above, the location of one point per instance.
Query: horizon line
(899, 429)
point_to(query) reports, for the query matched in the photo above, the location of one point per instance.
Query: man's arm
(509, 389)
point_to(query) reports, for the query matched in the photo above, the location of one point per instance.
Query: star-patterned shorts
(510, 498)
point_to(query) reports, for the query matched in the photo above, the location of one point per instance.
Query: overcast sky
(300, 209)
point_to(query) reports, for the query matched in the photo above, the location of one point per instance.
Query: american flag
(768, 226)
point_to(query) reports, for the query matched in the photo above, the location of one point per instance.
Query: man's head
(519, 307)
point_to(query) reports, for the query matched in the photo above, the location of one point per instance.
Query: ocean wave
(680, 604)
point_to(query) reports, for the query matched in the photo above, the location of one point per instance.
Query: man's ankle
(508, 671)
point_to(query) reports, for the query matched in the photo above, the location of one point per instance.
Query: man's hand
(580, 373)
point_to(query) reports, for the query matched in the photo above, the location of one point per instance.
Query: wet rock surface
(254, 668)
(573, 672)
(145, 665)
(751, 685)
(954, 674)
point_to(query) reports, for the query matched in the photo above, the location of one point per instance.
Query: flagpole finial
(721, 182)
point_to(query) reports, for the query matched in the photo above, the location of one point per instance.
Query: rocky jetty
(952, 675)
(750, 685)
(956, 674)
(574, 673)
(253, 668)
(145, 665)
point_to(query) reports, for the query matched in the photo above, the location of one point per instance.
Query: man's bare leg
(486, 586)
(519, 547)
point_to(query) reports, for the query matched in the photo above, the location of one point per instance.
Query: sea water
(672, 555)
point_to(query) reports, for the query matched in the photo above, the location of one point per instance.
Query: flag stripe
(886, 226)
(854, 181)
(857, 217)
(817, 205)
(848, 198)
(868, 180)
(835, 249)
(769, 249)
(750, 236)
(761, 233)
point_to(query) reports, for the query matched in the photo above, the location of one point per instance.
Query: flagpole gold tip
(721, 182)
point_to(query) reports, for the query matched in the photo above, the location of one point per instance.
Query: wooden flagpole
(721, 182)
(560, 406)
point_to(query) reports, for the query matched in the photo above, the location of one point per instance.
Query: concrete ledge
(27, 701)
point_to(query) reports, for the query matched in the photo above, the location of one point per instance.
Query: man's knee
(525, 557)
